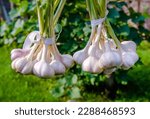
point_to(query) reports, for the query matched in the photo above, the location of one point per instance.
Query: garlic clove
(19, 64)
(95, 51)
(58, 67)
(129, 59)
(91, 65)
(110, 59)
(16, 53)
(43, 69)
(80, 56)
(67, 60)
(13, 64)
(28, 68)
(128, 46)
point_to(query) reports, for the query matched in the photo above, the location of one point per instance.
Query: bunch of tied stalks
(39, 55)
(104, 52)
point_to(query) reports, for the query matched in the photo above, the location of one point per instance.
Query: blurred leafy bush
(76, 30)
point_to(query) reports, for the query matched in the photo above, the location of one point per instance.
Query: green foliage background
(131, 85)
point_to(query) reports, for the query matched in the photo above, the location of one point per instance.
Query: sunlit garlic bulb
(129, 59)
(80, 56)
(91, 63)
(110, 58)
(42, 67)
(58, 67)
(67, 60)
(22, 65)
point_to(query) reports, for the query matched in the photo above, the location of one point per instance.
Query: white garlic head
(67, 60)
(129, 59)
(110, 59)
(58, 67)
(43, 69)
(80, 56)
(20, 63)
(91, 65)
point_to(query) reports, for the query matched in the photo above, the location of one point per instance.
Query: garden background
(130, 20)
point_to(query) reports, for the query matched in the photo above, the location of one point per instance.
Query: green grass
(18, 87)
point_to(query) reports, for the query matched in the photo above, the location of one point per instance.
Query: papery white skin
(16, 53)
(42, 67)
(80, 56)
(95, 51)
(58, 67)
(22, 65)
(28, 68)
(110, 58)
(67, 60)
(128, 46)
(91, 65)
(129, 59)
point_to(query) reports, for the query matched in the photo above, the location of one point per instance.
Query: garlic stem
(44, 52)
(93, 32)
(113, 35)
(40, 17)
(59, 10)
(30, 55)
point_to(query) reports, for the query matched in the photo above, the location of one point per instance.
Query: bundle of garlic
(104, 54)
(39, 55)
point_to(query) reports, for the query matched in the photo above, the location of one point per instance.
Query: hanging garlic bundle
(39, 55)
(104, 54)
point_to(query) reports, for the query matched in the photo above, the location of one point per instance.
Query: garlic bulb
(91, 65)
(95, 51)
(16, 53)
(58, 67)
(22, 65)
(80, 56)
(129, 59)
(43, 69)
(128, 46)
(67, 60)
(110, 58)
